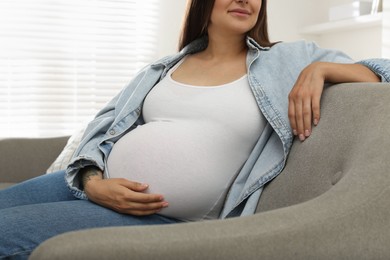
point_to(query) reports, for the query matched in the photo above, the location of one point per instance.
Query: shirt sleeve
(92, 149)
(327, 55)
(380, 67)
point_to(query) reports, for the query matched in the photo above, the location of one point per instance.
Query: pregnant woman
(194, 136)
(189, 148)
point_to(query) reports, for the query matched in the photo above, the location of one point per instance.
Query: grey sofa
(332, 200)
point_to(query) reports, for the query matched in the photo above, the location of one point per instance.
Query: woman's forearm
(340, 73)
(121, 195)
(90, 173)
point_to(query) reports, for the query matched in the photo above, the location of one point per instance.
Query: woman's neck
(222, 47)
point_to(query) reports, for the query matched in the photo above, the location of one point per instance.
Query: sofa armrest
(25, 158)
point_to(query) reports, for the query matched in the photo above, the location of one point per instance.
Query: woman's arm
(121, 195)
(90, 151)
(305, 96)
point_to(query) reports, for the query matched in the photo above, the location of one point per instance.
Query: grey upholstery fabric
(332, 201)
(24, 158)
(352, 138)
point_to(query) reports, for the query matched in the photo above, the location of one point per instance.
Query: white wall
(386, 30)
(359, 43)
(287, 19)
(172, 13)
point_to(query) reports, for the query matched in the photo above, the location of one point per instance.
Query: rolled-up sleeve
(380, 67)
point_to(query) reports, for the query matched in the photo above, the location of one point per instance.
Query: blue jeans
(40, 208)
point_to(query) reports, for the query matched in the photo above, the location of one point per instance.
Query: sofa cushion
(4, 185)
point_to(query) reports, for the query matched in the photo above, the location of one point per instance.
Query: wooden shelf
(359, 22)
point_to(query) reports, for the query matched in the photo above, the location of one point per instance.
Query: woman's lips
(240, 12)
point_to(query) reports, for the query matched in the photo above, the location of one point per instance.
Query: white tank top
(194, 142)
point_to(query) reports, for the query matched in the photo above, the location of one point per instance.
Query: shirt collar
(199, 45)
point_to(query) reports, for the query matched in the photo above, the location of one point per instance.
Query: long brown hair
(197, 19)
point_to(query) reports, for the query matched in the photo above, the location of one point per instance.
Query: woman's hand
(304, 100)
(305, 96)
(121, 195)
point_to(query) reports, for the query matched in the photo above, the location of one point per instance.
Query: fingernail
(295, 132)
(307, 133)
(165, 204)
(315, 122)
(302, 137)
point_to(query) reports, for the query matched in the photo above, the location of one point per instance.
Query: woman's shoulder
(167, 59)
(293, 50)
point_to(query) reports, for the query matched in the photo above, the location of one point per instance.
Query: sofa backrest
(24, 158)
(349, 146)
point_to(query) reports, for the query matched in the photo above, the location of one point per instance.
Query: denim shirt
(272, 72)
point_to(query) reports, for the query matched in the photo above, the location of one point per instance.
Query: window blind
(61, 61)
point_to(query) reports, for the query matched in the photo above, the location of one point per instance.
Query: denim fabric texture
(36, 210)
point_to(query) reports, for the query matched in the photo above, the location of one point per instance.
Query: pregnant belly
(191, 171)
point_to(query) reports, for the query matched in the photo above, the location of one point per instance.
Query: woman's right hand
(121, 195)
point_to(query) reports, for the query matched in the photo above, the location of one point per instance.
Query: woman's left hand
(305, 96)
(304, 100)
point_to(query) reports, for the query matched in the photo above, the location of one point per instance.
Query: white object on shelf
(375, 6)
(353, 9)
(359, 22)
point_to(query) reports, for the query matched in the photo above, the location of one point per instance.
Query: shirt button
(112, 132)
